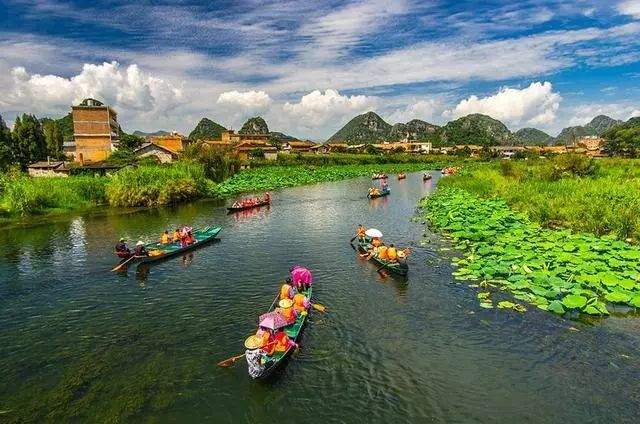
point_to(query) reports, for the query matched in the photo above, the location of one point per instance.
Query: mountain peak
(255, 125)
(366, 128)
(206, 130)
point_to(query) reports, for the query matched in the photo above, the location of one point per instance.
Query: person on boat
(385, 186)
(382, 252)
(190, 238)
(286, 290)
(375, 242)
(287, 311)
(392, 253)
(176, 235)
(165, 238)
(122, 250)
(283, 342)
(300, 302)
(140, 249)
(267, 197)
(301, 277)
(361, 232)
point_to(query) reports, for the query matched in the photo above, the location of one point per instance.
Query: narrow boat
(381, 194)
(255, 205)
(402, 176)
(426, 177)
(158, 251)
(399, 268)
(293, 331)
(379, 176)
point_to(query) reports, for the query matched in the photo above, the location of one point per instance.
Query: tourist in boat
(360, 233)
(190, 238)
(392, 253)
(385, 186)
(286, 290)
(283, 342)
(382, 252)
(301, 277)
(267, 197)
(165, 238)
(140, 249)
(300, 302)
(122, 250)
(176, 235)
(287, 311)
(375, 242)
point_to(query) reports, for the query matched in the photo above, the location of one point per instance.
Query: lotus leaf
(573, 301)
(635, 301)
(617, 297)
(556, 307)
(486, 305)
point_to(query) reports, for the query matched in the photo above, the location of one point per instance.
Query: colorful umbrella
(373, 233)
(272, 321)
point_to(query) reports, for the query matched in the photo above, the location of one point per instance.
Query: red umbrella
(272, 321)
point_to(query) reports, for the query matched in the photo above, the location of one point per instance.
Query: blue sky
(308, 67)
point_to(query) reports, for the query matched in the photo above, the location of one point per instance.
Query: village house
(95, 131)
(49, 168)
(175, 142)
(161, 153)
(593, 145)
(298, 146)
(247, 149)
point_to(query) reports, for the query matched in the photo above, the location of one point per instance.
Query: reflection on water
(80, 343)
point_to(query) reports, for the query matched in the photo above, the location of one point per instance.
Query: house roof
(250, 145)
(157, 146)
(48, 165)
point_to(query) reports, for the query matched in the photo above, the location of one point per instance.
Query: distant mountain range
(471, 129)
(210, 130)
(150, 134)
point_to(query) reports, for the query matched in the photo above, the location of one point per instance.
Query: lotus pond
(554, 270)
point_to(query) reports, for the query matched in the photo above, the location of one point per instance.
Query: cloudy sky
(310, 66)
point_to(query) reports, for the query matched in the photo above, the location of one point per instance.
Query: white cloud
(127, 89)
(316, 108)
(534, 105)
(629, 7)
(426, 109)
(250, 100)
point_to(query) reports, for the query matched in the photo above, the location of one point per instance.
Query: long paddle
(319, 307)
(233, 359)
(117, 268)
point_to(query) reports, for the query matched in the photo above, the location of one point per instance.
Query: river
(79, 343)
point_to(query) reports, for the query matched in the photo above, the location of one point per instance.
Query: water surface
(78, 343)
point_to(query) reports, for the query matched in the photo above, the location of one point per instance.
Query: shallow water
(78, 343)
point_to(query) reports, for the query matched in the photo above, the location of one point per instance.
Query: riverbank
(152, 185)
(599, 196)
(554, 270)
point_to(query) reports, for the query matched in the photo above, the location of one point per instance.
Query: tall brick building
(95, 131)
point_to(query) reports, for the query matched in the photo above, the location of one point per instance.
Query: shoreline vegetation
(577, 261)
(199, 175)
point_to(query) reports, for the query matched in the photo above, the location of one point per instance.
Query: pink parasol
(272, 321)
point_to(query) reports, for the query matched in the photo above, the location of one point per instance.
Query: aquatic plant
(555, 270)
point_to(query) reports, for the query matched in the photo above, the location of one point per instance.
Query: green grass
(607, 202)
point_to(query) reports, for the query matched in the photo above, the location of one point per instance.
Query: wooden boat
(294, 331)
(160, 251)
(381, 194)
(426, 177)
(379, 176)
(402, 176)
(399, 268)
(255, 205)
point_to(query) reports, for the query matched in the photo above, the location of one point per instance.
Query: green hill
(532, 137)
(597, 126)
(255, 125)
(150, 134)
(414, 130)
(206, 130)
(475, 129)
(365, 128)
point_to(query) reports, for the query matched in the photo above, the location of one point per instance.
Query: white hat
(139, 243)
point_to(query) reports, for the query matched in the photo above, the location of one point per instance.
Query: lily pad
(574, 301)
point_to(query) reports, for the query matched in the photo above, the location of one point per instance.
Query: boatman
(122, 250)
(140, 249)
(361, 233)
(301, 277)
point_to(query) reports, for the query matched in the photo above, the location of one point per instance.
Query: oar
(233, 359)
(319, 307)
(124, 263)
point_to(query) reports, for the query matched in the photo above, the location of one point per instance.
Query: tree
(28, 144)
(623, 140)
(129, 141)
(5, 145)
(53, 137)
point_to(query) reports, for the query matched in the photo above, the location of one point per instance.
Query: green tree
(28, 144)
(623, 140)
(53, 137)
(5, 145)
(129, 141)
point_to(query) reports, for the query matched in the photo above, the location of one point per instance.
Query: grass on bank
(594, 196)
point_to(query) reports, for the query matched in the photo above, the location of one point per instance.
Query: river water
(79, 343)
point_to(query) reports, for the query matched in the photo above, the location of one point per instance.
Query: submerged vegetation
(554, 270)
(569, 191)
(274, 177)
